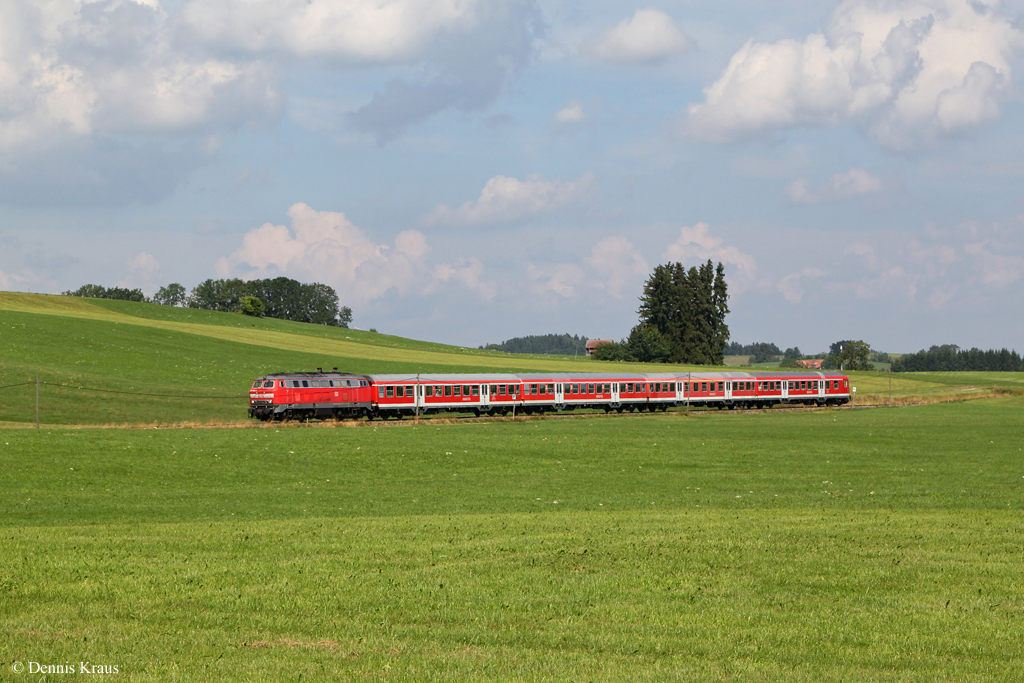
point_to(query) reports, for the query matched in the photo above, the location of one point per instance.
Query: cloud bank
(504, 199)
(325, 246)
(906, 71)
(648, 37)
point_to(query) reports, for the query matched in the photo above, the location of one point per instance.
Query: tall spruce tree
(687, 309)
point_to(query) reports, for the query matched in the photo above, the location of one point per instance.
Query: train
(339, 395)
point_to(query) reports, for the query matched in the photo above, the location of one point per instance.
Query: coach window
(399, 392)
(476, 389)
(430, 391)
(447, 390)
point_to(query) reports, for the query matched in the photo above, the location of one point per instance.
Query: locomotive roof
(290, 375)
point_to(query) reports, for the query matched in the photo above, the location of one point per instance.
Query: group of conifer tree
(682, 318)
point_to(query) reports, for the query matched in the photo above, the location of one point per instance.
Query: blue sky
(466, 171)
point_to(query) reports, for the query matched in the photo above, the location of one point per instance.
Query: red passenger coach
(402, 395)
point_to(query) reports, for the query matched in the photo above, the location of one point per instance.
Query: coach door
(485, 395)
(615, 393)
(785, 388)
(560, 392)
(728, 391)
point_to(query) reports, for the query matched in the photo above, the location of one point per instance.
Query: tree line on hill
(682, 318)
(950, 358)
(759, 352)
(279, 297)
(562, 344)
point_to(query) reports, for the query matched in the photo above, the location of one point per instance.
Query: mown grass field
(112, 362)
(877, 545)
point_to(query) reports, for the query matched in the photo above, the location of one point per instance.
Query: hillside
(116, 362)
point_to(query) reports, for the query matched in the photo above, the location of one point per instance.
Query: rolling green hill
(118, 362)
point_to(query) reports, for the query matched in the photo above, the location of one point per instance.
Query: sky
(466, 171)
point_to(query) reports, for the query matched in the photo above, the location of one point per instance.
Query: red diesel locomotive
(326, 395)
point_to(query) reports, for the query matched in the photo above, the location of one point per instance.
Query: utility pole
(37, 401)
(417, 396)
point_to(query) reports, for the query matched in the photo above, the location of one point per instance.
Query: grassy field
(113, 362)
(878, 545)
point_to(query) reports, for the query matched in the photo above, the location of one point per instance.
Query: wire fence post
(689, 388)
(890, 386)
(37, 401)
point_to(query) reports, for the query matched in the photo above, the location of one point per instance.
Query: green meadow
(827, 546)
(125, 363)
(882, 544)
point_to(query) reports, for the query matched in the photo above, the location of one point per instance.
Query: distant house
(594, 343)
(814, 363)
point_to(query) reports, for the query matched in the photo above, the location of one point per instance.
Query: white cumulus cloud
(327, 247)
(698, 244)
(464, 51)
(617, 265)
(563, 279)
(648, 37)
(572, 113)
(505, 199)
(907, 71)
(853, 183)
(467, 271)
(71, 69)
(144, 263)
(357, 31)
(792, 286)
